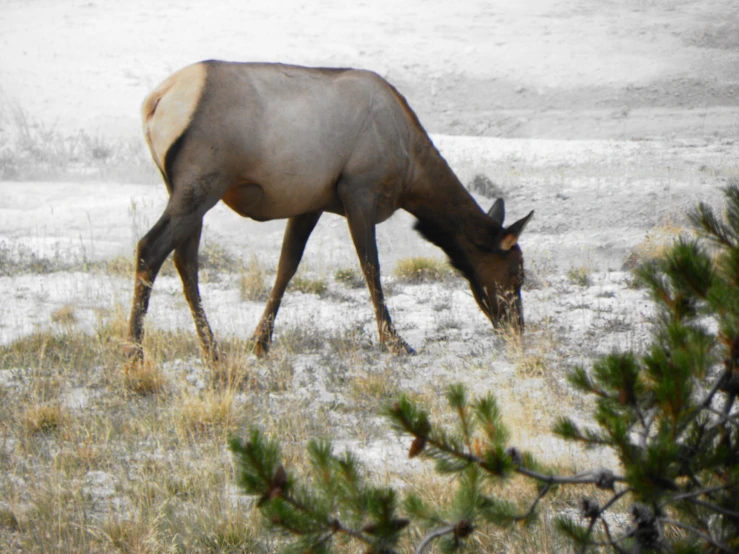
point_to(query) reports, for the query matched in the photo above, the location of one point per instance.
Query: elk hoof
(133, 352)
(399, 347)
(212, 352)
(261, 347)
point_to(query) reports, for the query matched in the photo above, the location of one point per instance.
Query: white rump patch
(168, 110)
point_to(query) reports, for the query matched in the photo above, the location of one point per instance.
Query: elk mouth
(503, 310)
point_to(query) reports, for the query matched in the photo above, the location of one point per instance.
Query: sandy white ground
(644, 92)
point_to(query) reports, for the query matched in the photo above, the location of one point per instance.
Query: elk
(278, 141)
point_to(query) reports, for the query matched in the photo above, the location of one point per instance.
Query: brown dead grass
(422, 270)
(657, 240)
(253, 285)
(143, 378)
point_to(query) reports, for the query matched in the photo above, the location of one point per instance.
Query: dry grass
(44, 418)
(308, 285)
(656, 241)
(211, 412)
(580, 276)
(143, 378)
(422, 270)
(34, 150)
(350, 278)
(370, 390)
(156, 430)
(253, 286)
(18, 259)
(64, 316)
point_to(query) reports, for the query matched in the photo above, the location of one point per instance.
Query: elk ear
(511, 234)
(497, 212)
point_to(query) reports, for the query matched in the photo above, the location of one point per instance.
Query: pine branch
(601, 478)
(542, 493)
(598, 515)
(714, 508)
(698, 532)
(701, 492)
(431, 537)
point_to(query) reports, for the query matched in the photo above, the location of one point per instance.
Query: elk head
(495, 270)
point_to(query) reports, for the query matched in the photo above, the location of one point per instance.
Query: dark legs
(178, 229)
(151, 252)
(293, 244)
(186, 262)
(360, 208)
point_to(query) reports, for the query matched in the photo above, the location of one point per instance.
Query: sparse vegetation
(656, 242)
(143, 378)
(422, 270)
(308, 285)
(253, 286)
(64, 315)
(483, 185)
(349, 277)
(33, 150)
(580, 276)
(17, 259)
(44, 418)
(669, 416)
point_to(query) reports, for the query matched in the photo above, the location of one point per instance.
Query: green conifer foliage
(668, 414)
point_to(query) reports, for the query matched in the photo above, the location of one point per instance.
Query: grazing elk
(277, 141)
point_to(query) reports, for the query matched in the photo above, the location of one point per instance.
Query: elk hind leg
(186, 262)
(181, 218)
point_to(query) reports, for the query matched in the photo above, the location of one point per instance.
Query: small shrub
(656, 242)
(350, 278)
(580, 276)
(483, 185)
(253, 285)
(43, 419)
(213, 412)
(422, 270)
(143, 378)
(64, 315)
(308, 285)
(214, 258)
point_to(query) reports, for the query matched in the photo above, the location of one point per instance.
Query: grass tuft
(531, 366)
(253, 285)
(580, 276)
(655, 244)
(308, 285)
(211, 412)
(143, 378)
(422, 270)
(44, 418)
(32, 150)
(350, 278)
(64, 316)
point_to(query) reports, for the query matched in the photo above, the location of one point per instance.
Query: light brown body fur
(275, 141)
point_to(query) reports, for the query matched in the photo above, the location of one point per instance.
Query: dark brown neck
(437, 197)
(447, 214)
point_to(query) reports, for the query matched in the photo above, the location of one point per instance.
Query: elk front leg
(293, 244)
(362, 229)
